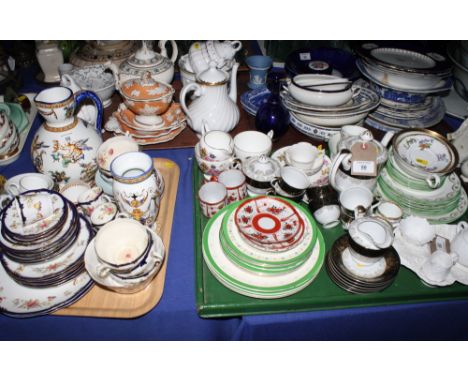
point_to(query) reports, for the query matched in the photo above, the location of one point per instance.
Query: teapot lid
(212, 76)
(145, 57)
(262, 168)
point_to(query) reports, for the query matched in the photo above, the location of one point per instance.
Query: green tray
(215, 300)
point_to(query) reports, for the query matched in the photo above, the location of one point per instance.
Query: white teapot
(213, 107)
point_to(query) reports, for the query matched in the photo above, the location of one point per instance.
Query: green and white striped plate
(248, 283)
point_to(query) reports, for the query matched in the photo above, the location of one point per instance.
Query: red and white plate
(268, 220)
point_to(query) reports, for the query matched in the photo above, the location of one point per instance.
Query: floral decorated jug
(214, 107)
(65, 147)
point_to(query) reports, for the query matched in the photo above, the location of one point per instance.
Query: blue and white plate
(253, 99)
(403, 95)
(433, 116)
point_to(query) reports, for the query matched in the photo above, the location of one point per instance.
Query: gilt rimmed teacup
(216, 146)
(235, 183)
(92, 198)
(212, 197)
(291, 183)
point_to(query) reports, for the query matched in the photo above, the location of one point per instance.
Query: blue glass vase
(272, 115)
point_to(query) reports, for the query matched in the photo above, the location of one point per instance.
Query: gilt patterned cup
(137, 186)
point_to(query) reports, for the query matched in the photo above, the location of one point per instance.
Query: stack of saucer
(277, 260)
(407, 78)
(359, 274)
(43, 239)
(124, 256)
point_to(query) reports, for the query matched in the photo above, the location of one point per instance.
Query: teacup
(111, 149)
(416, 230)
(304, 156)
(328, 216)
(235, 183)
(9, 139)
(91, 198)
(56, 105)
(212, 197)
(355, 202)
(121, 245)
(30, 182)
(74, 189)
(459, 245)
(370, 236)
(214, 168)
(389, 211)
(292, 182)
(438, 266)
(216, 146)
(319, 197)
(252, 143)
(105, 213)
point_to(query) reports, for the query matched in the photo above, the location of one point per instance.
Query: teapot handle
(115, 72)
(183, 95)
(175, 50)
(236, 45)
(83, 95)
(68, 81)
(335, 166)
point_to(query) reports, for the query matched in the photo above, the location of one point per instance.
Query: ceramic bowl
(5, 124)
(423, 152)
(252, 143)
(10, 140)
(95, 78)
(112, 148)
(121, 244)
(56, 105)
(306, 88)
(145, 96)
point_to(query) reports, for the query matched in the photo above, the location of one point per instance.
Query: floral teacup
(104, 213)
(92, 198)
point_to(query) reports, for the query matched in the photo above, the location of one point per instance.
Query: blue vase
(272, 115)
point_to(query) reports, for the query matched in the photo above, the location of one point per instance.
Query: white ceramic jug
(214, 106)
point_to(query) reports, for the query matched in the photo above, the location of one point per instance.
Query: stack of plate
(292, 259)
(42, 269)
(123, 122)
(355, 276)
(419, 177)
(323, 121)
(457, 101)
(406, 80)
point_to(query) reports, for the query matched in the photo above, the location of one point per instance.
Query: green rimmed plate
(277, 260)
(248, 283)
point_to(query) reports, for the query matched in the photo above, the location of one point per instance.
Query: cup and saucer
(308, 158)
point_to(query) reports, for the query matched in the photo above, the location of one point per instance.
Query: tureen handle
(175, 51)
(183, 95)
(433, 181)
(83, 95)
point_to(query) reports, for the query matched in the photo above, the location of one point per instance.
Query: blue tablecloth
(175, 317)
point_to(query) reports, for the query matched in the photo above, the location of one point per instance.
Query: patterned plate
(268, 220)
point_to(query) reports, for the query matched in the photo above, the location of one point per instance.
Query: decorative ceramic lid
(213, 76)
(262, 168)
(146, 59)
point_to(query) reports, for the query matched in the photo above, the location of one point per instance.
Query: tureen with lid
(147, 60)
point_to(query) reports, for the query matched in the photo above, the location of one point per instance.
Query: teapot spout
(233, 90)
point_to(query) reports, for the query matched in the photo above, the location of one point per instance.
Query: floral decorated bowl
(268, 220)
(146, 97)
(423, 152)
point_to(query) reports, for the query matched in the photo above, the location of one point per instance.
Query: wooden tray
(101, 302)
